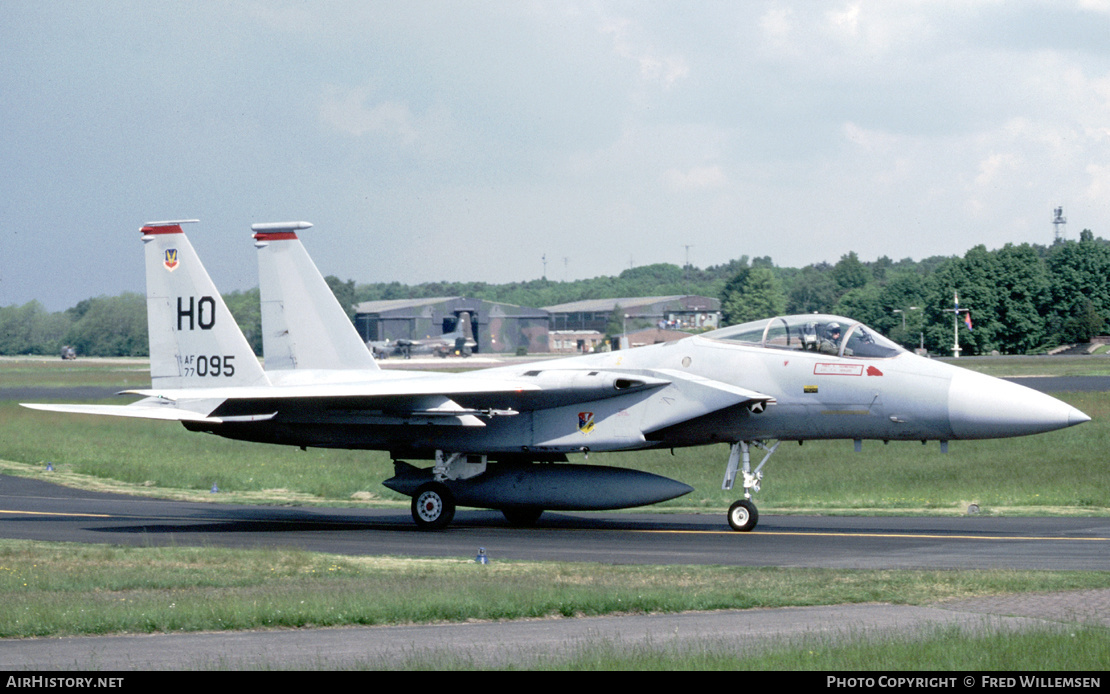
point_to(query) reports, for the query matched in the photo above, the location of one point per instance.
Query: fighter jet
(501, 438)
(455, 343)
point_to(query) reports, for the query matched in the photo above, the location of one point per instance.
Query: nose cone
(984, 407)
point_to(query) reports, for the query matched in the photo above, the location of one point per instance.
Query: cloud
(773, 128)
(1098, 189)
(853, 34)
(347, 111)
(630, 43)
(995, 166)
(696, 178)
(870, 140)
(357, 112)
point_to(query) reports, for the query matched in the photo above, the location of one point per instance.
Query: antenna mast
(1058, 221)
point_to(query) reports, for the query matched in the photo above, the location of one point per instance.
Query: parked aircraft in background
(458, 343)
(500, 438)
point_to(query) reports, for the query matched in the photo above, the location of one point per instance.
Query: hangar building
(679, 312)
(498, 328)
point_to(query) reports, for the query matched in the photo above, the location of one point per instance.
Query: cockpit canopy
(832, 335)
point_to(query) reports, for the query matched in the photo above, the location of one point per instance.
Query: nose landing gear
(742, 515)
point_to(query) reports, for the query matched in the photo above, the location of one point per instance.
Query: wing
(443, 399)
(153, 408)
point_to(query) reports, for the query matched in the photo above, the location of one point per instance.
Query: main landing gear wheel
(742, 516)
(433, 506)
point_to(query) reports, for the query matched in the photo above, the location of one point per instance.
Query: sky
(467, 140)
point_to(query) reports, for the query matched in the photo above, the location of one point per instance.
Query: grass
(1006, 366)
(944, 650)
(1077, 651)
(54, 589)
(52, 372)
(164, 458)
(1055, 473)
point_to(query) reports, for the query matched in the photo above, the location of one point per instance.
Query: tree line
(1022, 299)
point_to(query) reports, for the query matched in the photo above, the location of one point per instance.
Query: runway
(38, 510)
(31, 509)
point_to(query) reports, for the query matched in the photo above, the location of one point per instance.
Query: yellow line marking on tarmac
(892, 535)
(47, 513)
(211, 519)
(928, 536)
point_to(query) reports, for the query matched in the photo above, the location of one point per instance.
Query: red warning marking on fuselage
(826, 369)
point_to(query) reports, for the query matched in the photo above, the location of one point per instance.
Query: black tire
(433, 506)
(522, 517)
(743, 516)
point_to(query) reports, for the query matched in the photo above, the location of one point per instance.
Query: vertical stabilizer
(194, 340)
(303, 325)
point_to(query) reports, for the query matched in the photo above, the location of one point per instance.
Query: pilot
(830, 344)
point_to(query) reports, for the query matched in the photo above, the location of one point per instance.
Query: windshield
(832, 335)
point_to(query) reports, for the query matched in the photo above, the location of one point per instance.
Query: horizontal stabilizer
(448, 385)
(143, 411)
